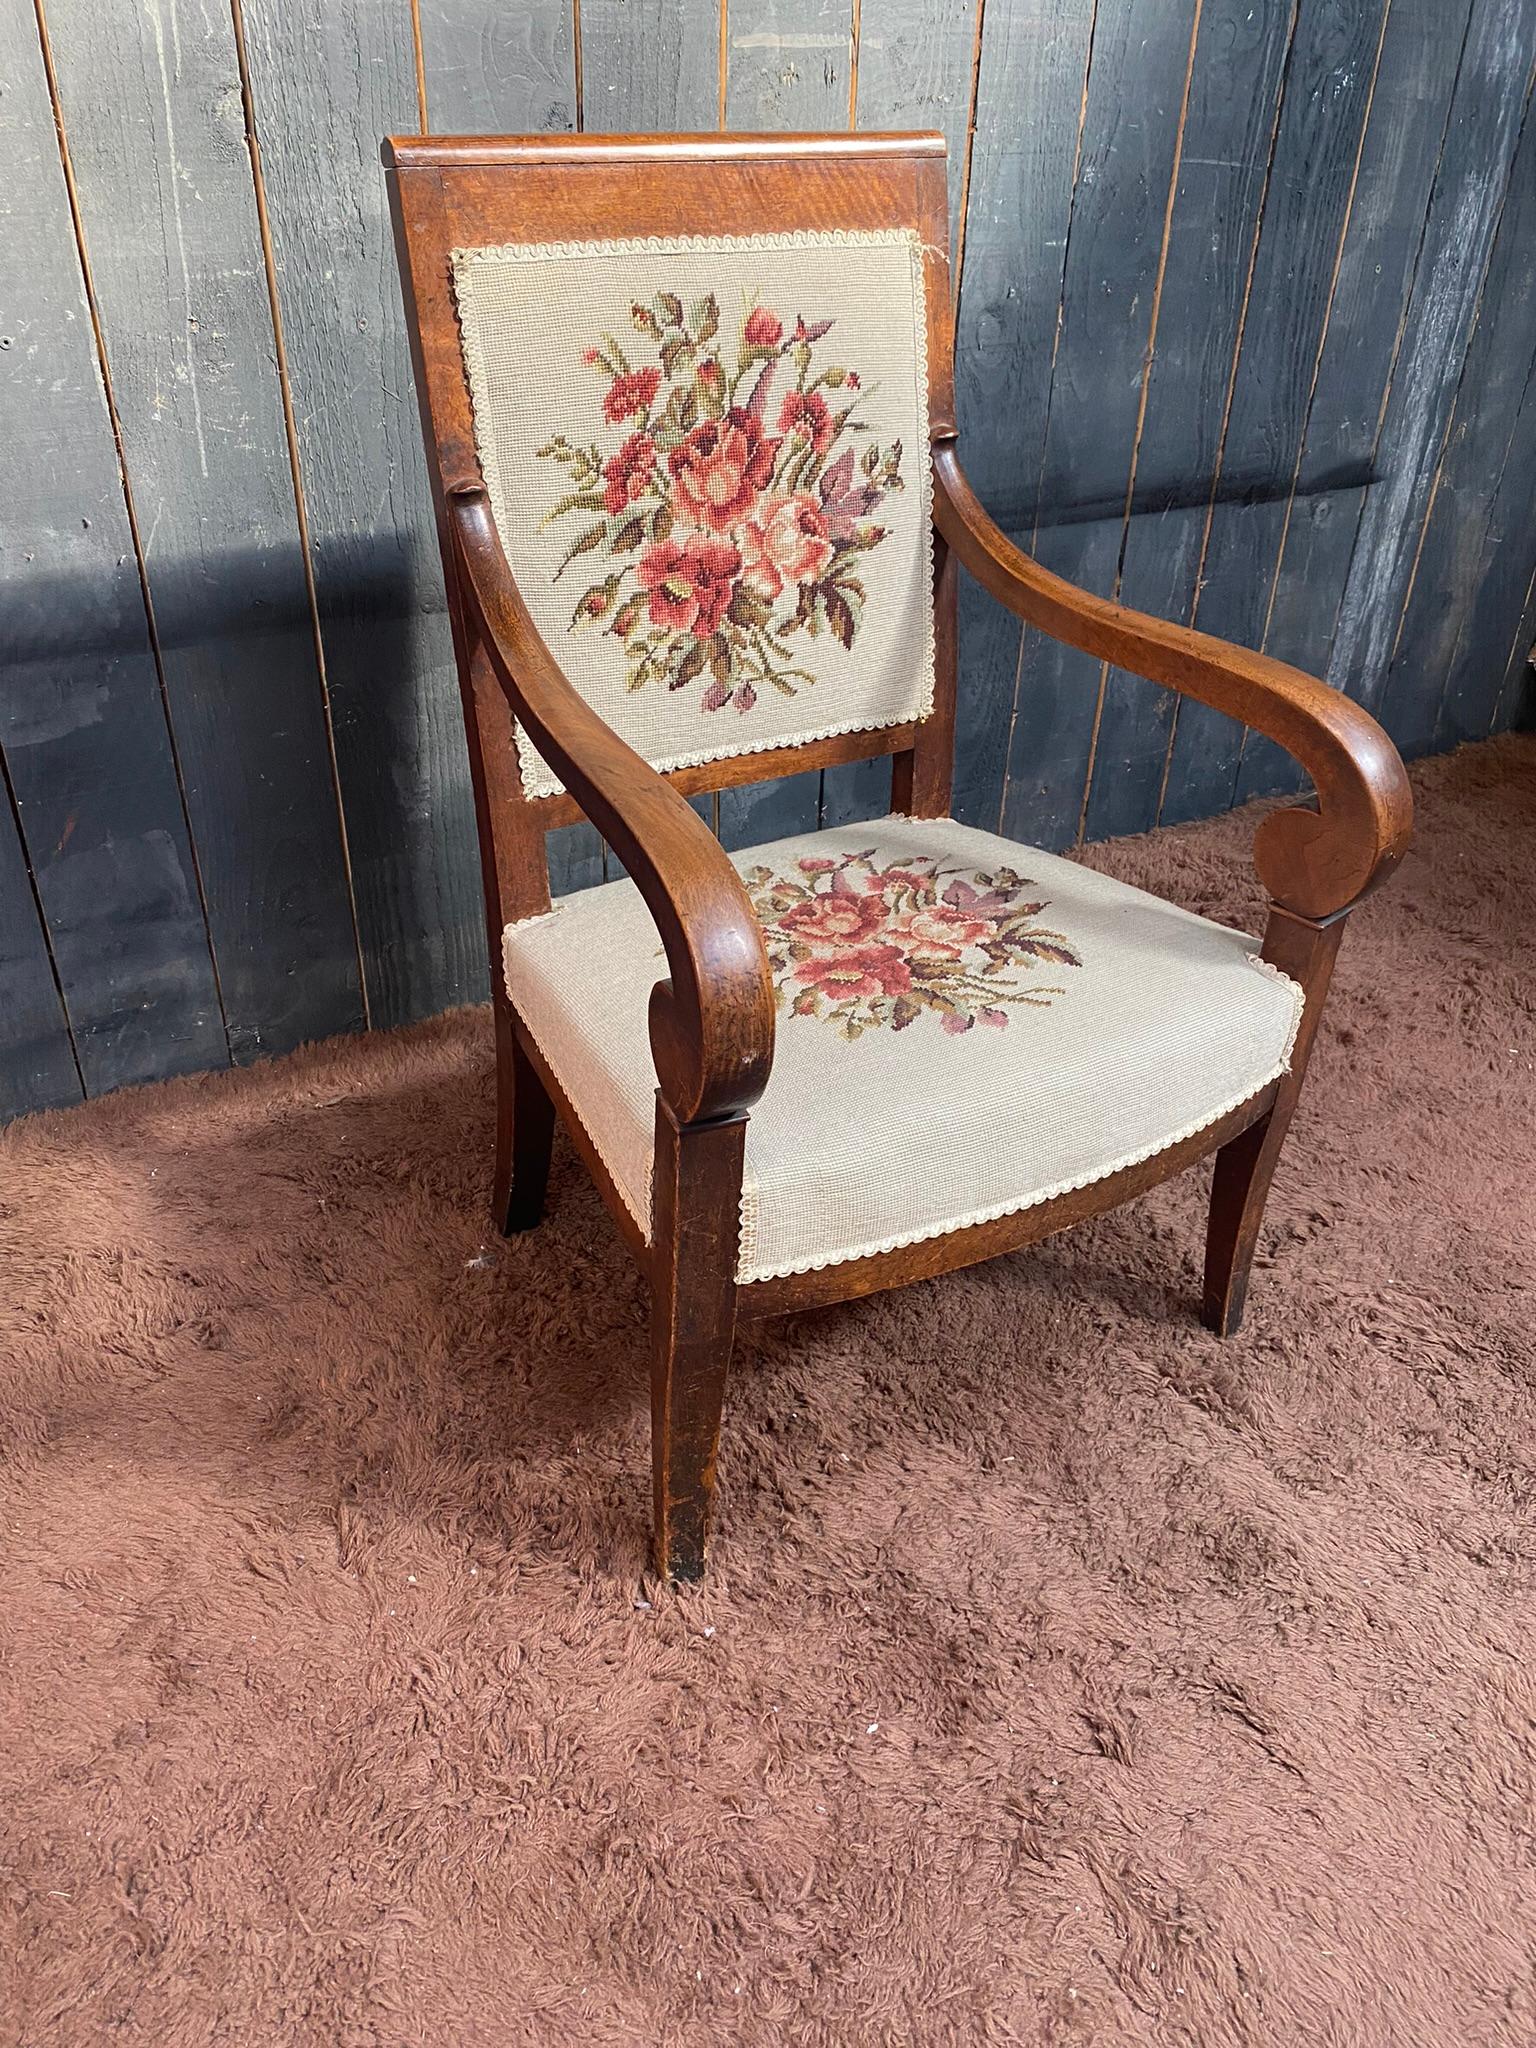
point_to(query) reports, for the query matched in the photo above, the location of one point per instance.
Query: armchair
(689, 415)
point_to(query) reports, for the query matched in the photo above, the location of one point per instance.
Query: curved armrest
(712, 1023)
(1315, 863)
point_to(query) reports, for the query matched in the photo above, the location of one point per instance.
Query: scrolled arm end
(1315, 864)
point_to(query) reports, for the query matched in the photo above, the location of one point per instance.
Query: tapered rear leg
(696, 1214)
(525, 1129)
(1244, 1168)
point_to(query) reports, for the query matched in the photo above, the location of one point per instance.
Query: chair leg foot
(1239, 1190)
(696, 1204)
(525, 1130)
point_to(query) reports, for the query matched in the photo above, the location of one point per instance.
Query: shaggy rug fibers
(1064, 1674)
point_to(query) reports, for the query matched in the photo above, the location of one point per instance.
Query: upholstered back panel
(708, 462)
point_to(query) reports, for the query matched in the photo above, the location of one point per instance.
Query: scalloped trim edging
(463, 260)
(878, 1247)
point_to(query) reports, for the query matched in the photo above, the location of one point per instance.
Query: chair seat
(965, 1027)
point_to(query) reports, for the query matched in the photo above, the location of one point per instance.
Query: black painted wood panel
(1246, 335)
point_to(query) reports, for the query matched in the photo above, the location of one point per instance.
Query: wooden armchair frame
(712, 1019)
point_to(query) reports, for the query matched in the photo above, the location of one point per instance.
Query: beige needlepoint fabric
(965, 1027)
(708, 464)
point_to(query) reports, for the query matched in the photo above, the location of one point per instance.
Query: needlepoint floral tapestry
(708, 463)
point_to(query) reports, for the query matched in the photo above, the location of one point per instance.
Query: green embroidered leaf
(670, 307)
(839, 613)
(692, 663)
(748, 608)
(661, 522)
(597, 602)
(673, 351)
(720, 658)
(627, 617)
(706, 319)
(592, 538)
(575, 501)
(645, 321)
(629, 535)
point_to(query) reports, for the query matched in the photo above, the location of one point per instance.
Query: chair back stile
(488, 202)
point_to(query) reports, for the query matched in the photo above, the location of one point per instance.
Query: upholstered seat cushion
(965, 1027)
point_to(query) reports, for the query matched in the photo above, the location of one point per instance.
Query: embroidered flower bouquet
(728, 514)
(864, 945)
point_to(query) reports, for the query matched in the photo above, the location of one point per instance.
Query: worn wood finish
(201, 419)
(1486, 119)
(1230, 120)
(89, 756)
(1143, 54)
(514, 69)
(649, 65)
(328, 78)
(696, 1222)
(1399, 163)
(39, 1071)
(1310, 191)
(1398, 518)
(1305, 949)
(712, 1018)
(1034, 63)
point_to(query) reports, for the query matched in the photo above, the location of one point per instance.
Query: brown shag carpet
(1064, 1674)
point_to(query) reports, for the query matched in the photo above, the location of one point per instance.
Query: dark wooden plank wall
(1247, 335)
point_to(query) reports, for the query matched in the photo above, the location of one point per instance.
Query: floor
(1064, 1674)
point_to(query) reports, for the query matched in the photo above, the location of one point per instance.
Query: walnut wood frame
(712, 1019)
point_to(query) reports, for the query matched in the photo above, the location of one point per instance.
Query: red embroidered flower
(835, 918)
(629, 393)
(785, 542)
(690, 582)
(629, 472)
(763, 329)
(720, 469)
(805, 413)
(861, 972)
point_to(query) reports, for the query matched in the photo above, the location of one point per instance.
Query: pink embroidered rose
(690, 582)
(629, 473)
(860, 972)
(631, 392)
(806, 413)
(835, 918)
(763, 329)
(940, 930)
(722, 468)
(785, 542)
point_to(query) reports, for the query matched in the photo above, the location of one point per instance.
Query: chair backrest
(699, 376)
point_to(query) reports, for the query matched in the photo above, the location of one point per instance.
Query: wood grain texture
(1469, 586)
(915, 69)
(1404, 138)
(509, 71)
(150, 94)
(1034, 64)
(82, 722)
(37, 1057)
(328, 80)
(1306, 212)
(1111, 297)
(1492, 94)
(712, 1018)
(788, 67)
(499, 70)
(1229, 131)
(648, 66)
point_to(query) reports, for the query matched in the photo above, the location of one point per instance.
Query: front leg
(696, 1218)
(1305, 950)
